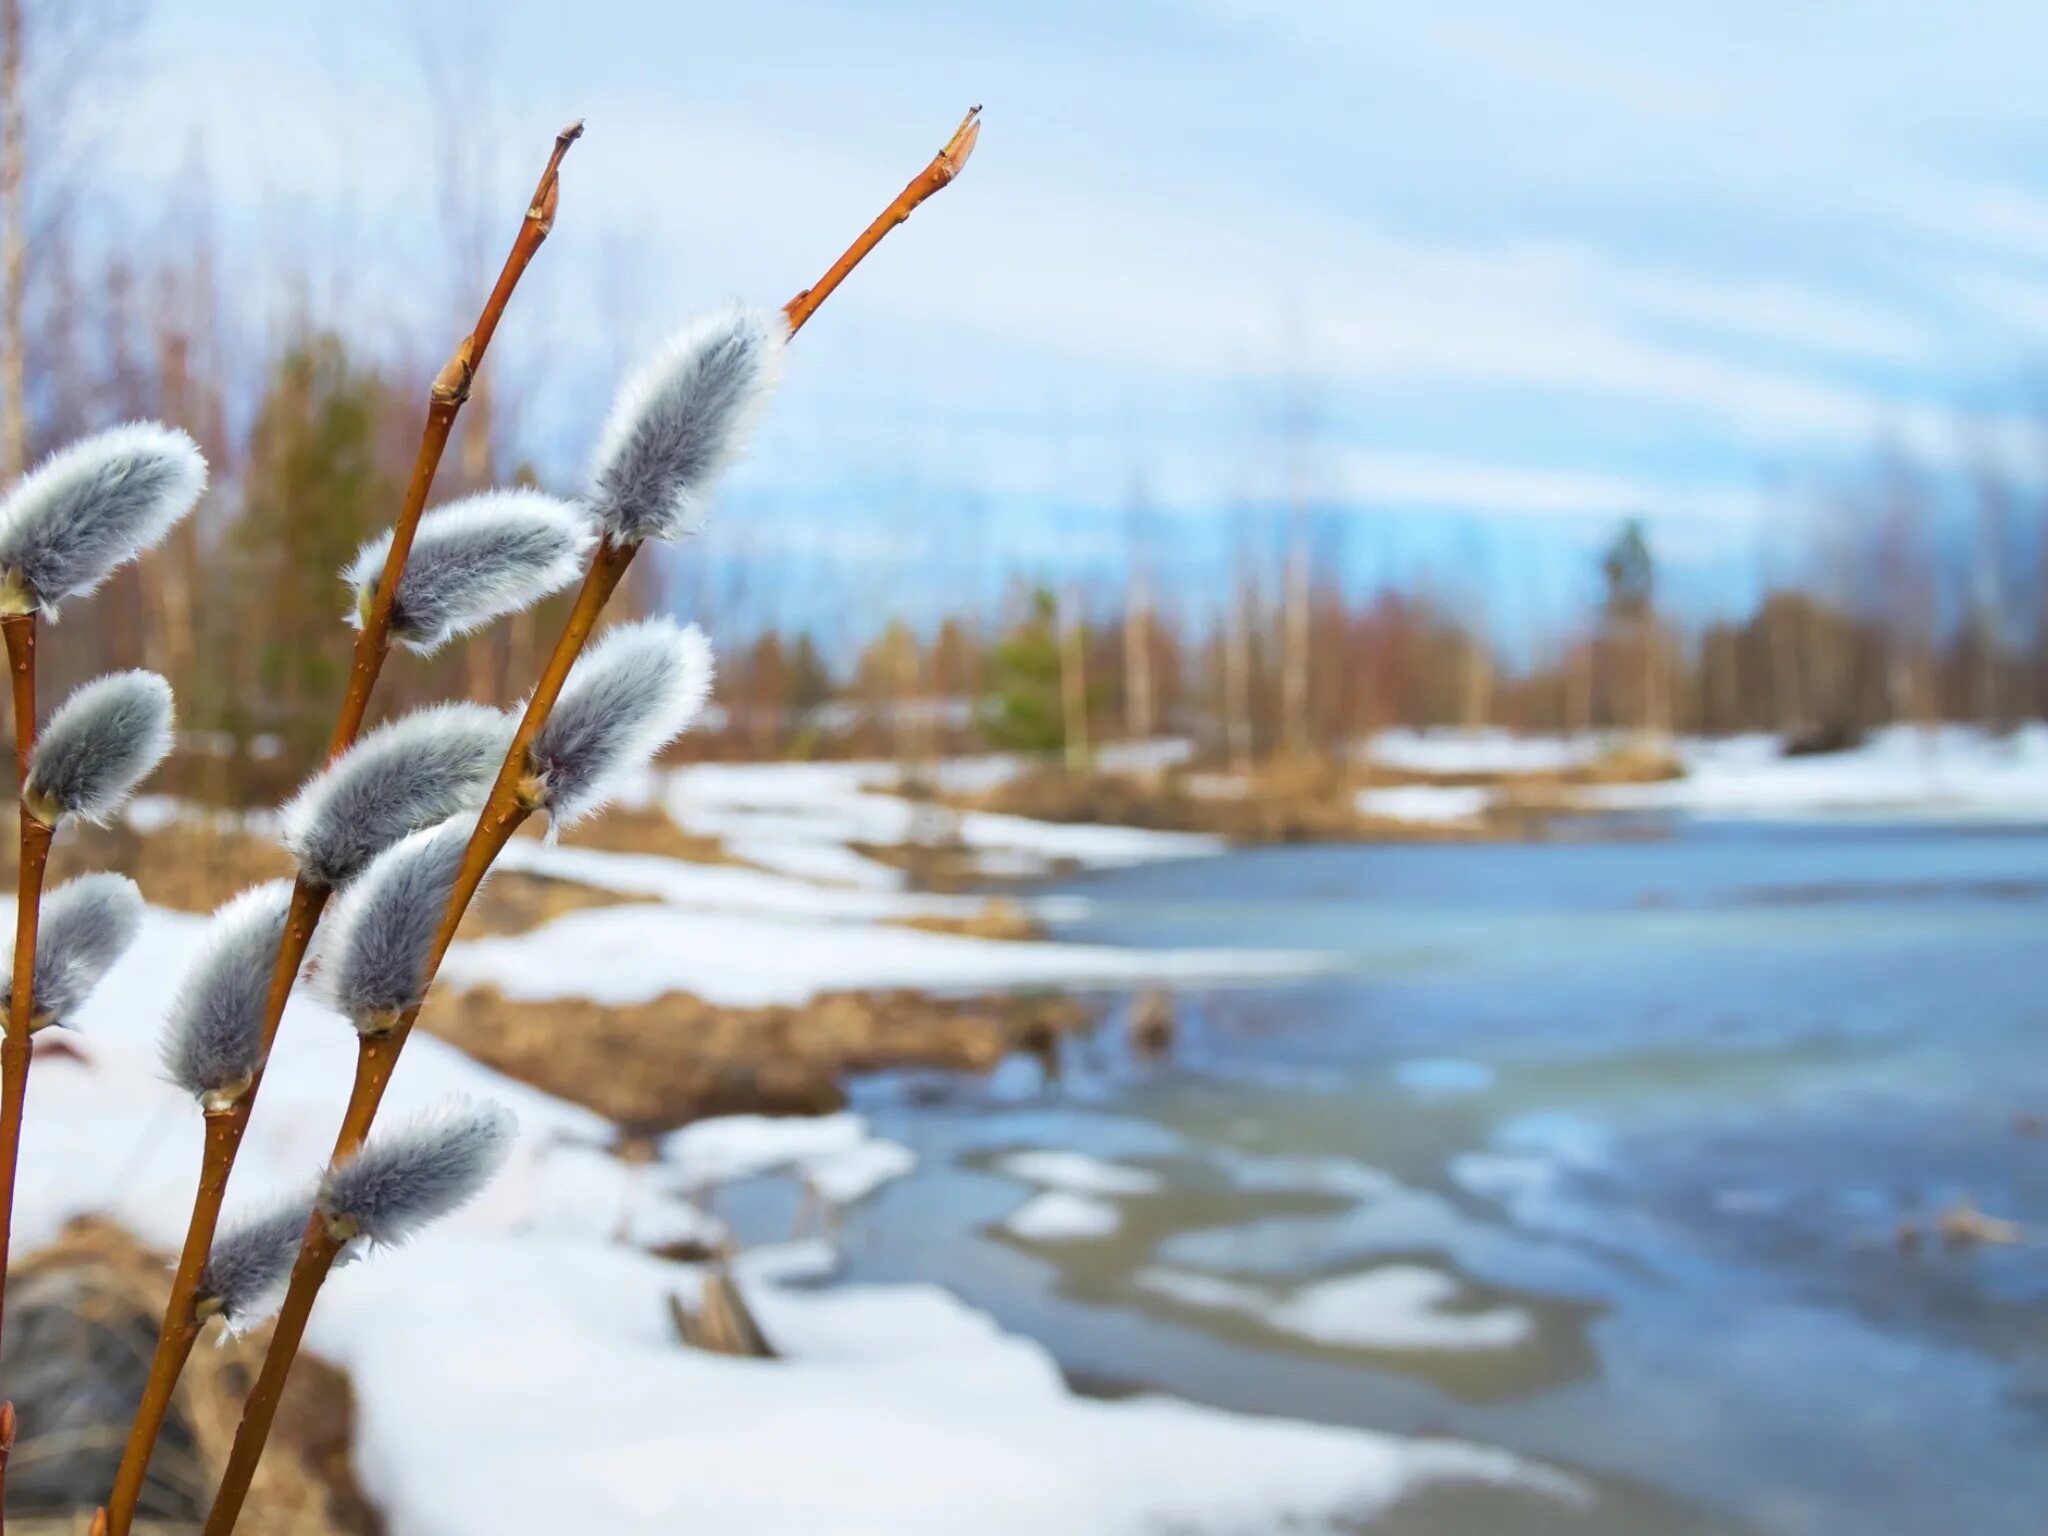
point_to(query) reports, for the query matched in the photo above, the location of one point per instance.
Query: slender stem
(15, 1049)
(445, 400)
(377, 1054)
(945, 166)
(180, 1325)
(7, 1428)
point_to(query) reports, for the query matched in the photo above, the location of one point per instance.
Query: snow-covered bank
(634, 954)
(516, 1372)
(1948, 772)
(800, 818)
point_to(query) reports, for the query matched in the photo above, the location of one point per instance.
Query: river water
(1597, 1150)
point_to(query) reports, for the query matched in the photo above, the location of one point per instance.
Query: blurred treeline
(1907, 609)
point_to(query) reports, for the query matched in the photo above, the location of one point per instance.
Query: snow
(791, 817)
(1425, 804)
(1481, 751)
(833, 1154)
(1057, 1217)
(516, 1373)
(1395, 1307)
(1079, 1174)
(634, 954)
(1948, 771)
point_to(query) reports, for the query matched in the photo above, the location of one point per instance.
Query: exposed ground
(662, 1064)
(84, 1313)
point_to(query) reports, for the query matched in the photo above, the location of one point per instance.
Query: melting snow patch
(834, 1154)
(1397, 1307)
(1058, 1217)
(1079, 1174)
(1425, 804)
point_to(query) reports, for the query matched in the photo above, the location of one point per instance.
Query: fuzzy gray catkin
(627, 697)
(84, 927)
(409, 1177)
(90, 508)
(213, 1041)
(413, 772)
(250, 1265)
(680, 420)
(373, 961)
(472, 561)
(98, 746)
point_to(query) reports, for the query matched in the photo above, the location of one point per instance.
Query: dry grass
(654, 1066)
(112, 1290)
(997, 918)
(640, 830)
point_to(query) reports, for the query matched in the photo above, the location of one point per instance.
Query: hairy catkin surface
(474, 561)
(251, 1263)
(629, 695)
(100, 744)
(96, 505)
(374, 963)
(85, 926)
(680, 420)
(414, 772)
(213, 1040)
(411, 1176)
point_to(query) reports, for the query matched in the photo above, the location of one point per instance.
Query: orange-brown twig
(225, 1125)
(7, 1428)
(503, 812)
(16, 1049)
(945, 166)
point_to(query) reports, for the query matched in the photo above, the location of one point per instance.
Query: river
(1599, 1150)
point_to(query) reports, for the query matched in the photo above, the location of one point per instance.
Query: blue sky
(1522, 269)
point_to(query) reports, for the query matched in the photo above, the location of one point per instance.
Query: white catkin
(99, 745)
(627, 697)
(250, 1264)
(409, 1177)
(213, 1039)
(91, 508)
(373, 958)
(85, 926)
(409, 773)
(680, 420)
(473, 561)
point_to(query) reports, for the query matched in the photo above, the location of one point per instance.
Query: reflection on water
(1601, 1152)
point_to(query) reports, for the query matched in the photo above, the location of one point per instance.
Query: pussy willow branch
(226, 1123)
(16, 1050)
(503, 813)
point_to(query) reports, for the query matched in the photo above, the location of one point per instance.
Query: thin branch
(503, 812)
(15, 1051)
(945, 166)
(225, 1127)
(7, 1428)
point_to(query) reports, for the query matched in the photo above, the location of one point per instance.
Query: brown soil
(115, 1288)
(655, 1066)
(1279, 805)
(649, 830)
(514, 901)
(191, 867)
(931, 866)
(997, 918)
